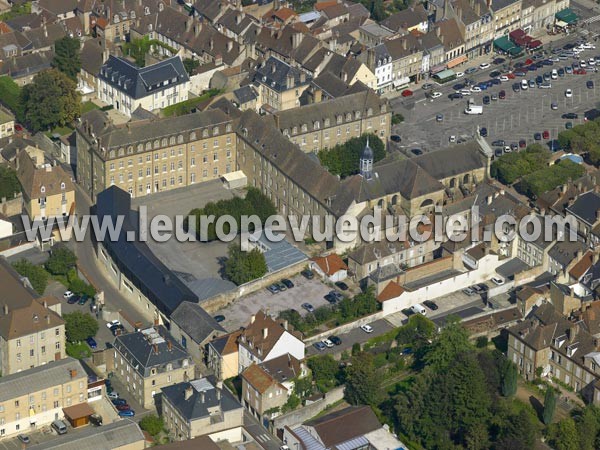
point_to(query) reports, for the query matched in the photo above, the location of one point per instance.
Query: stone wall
(344, 328)
(11, 207)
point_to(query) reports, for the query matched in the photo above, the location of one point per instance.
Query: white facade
(287, 343)
(383, 73)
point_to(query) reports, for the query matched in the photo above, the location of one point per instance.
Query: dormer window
(348, 117)
(326, 123)
(116, 18)
(370, 112)
(205, 133)
(215, 131)
(304, 128)
(132, 15)
(111, 154)
(338, 118)
(193, 136)
(228, 127)
(571, 349)
(62, 186)
(357, 114)
(295, 130)
(317, 125)
(43, 189)
(559, 341)
(146, 11)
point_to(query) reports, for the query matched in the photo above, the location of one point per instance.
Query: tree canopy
(344, 159)
(79, 326)
(61, 260)
(152, 423)
(242, 267)
(50, 100)
(9, 183)
(362, 382)
(67, 56)
(36, 275)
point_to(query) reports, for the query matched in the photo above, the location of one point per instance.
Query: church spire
(366, 161)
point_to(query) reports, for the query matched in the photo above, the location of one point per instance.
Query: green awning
(566, 15)
(515, 51)
(504, 43)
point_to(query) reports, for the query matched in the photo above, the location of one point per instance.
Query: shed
(234, 180)
(78, 415)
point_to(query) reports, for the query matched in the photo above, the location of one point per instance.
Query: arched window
(193, 136)
(205, 133)
(228, 127)
(326, 123)
(215, 131)
(130, 150)
(295, 130)
(121, 151)
(140, 147)
(304, 128)
(146, 10)
(348, 117)
(357, 114)
(132, 15)
(148, 145)
(180, 139)
(466, 179)
(172, 140)
(156, 144)
(395, 199)
(111, 154)
(370, 112)
(164, 142)
(317, 125)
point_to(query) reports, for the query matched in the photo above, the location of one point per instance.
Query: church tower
(366, 162)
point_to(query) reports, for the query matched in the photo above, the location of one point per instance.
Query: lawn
(88, 106)
(186, 107)
(79, 350)
(59, 130)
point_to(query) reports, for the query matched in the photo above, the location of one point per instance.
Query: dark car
(520, 73)
(73, 299)
(287, 283)
(116, 329)
(336, 340)
(24, 438)
(502, 95)
(439, 117)
(569, 116)
(124, 407)
(92, 343)
(330, 298)
(499, 143)
(494, 82)
(96, 419)
(499, 61)
(395, 138)
(431, 305)
(537, 136)
(561, 72)
(569, 125)
(118, 401)
(532, 68)
(416, 151)
(522, 143)
(483, 132)
(319, 346)
(495, 74)
(539, 79)
(516, 87)
(498, 152)
(455, 96)
(590, 84)
(343, 286)
(458, 86)
(486, 99)
(219, 318)
(307, 306)
(82, 301)
(127, 413)
(308, 274)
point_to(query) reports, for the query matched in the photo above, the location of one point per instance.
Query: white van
(524, 85)
(474, 109)
(418, 309)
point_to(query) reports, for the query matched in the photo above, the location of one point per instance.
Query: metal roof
(278, 255)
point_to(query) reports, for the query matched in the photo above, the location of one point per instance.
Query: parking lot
(312, 291)
(518, 116)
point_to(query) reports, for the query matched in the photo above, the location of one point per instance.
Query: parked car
(471, 70)
(439, 117)
(128, 413)
(219, 318)
(319, 346)
(416, 151)
(499, 143)
(328, 343)
(502, 95)
(117, 329)
(483, 132)
(427, 86)
(273, 288)
(124, 407)
(24, 438)
(537, 136)
(431, 305)
(554, 106)
(92, 343)
(569, 125)
(486, 100)
(546, 134)
(68, 294)
(570, 115)
(112, 323)
(308, 274)
(568, 93)
(282, 287)
(436, 94)
(367, 328)
(118, 401)
(330, 298)
(469, 291)
(522, 143)
(484, 66)
(590, 84)
(96, 419)
(395, 138)
(336, 340)
(113, 395)
(287, 283)
(73, 299)
(307, 306)
(82, 301)
(498, 281)
(343, 286)
(407, 93)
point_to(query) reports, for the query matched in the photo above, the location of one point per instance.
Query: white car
(464, 92)
(582, 63)
(475, 89)
(68, 295)
(498, 281)
(591, 62)
(113, 395)
(327, 343)
(568, 93)
(112, 323)
(436, 94)
(588, 46)
(366, 328)
(504, 78)
(460, 74)
(484, 66)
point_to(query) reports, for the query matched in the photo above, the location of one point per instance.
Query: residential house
(292, 44)
(434, 54)
(371, 34)
(411, 19)
(200, 407)
(354, 427)
(586, 211)
(141, 159)
(557, 199)
(477, 25)
(32, 399)
(563, 255)
(22, 69)
(507, 16)
(454, 44)
(529, 297)
(112, 19)
(31, 40)
(223, 356)
(266, 387)
(350, 70)
(32, 332)
(93, 55)
(127, 87)
(379, 60)
(7, 123)
(193, 328)
(329, 123)
(149, 360)
(62, 9)
(246, 97)
(48, 191)
(264, 339)
(331, 268)
(280, 85)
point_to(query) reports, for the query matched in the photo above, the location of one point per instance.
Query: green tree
(61, 260)
(362, 382)
(36, 275)
(152, 423)
(418, 329)
(325, 371)
(9, 183)
(563, 435)
(77, 285)
(67, 56)
(190, 65)
(344, 159)
(79, 326)
(292, 403)
(549, 406)
(303, 387)
(509, 379)
(242, 267)
(50, 100)
(453, 340)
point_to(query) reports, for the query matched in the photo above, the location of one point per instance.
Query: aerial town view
(300, 225)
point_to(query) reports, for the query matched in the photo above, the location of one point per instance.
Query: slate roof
(139, 82)
(118, 434)
(58, 6)
(33, 178)
(151, 348)
(245, 94)
(274, 73)
(497, 5)
(204, 399)
(136, 260)
(196, 322)
(27, 65)
(226, 344)
(281, 42)
(42, 377)
(452, 161)
(586, 207)
(331, 85)
(564, 252)
(91, 56)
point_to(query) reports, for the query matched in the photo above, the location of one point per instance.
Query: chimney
(580, 186)
(218, 394)
(543, 211)
(211, 43)
(73, 373)
(572, 332)
(285, 325)
(48, 319)
(438, 32)
(478, 9)
(197, 29)
(229, 46)
(155, 346)
(273, 68)
(289, 81)
(45, 303)
(489, 199)
(188, 23)
(188, 392)
(265, 333)
(202, 396)
(563, 188)
(169, 345)
(252, 317)
(156, 321)
(404, 44)
(5, 309)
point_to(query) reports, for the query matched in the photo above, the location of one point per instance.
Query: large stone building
(32, 333)
(35, 397)
(145, 157)
(149, 360)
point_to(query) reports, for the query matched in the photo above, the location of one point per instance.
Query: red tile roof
(392, 290)
(582, 266)
(330, 264)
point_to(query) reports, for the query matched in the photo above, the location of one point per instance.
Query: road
(259, 433)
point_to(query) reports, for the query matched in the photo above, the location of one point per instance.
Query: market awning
(534, 44)
(456, 61)
(515, 51)
(503, 43)
(516, 34)
(561, 24)
(566, 15)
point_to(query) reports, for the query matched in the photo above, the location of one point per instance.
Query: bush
(242, 267)
(61, 260)
(10, 96)
(344, 159)
(36, 275)
(152, 424)
(9, 183)
(78, 286)
(512, 166)
(482, 342)
(79, 326)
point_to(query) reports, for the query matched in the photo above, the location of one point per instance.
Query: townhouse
(507, 16)
(585, 209)
(223, 356)
(280, 85)
(7, 123)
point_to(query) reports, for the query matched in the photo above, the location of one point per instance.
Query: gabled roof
(256, 340)
(581, 267)
(330, 264)
(275, 73)
(139, 82)
(33, 178)
(405, 19)
(58, 6)
(195, 322)
(391, 291)
(586, 207)
(226, 344)
(259, 379)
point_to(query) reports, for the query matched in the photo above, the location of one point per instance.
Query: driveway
(312, 291)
